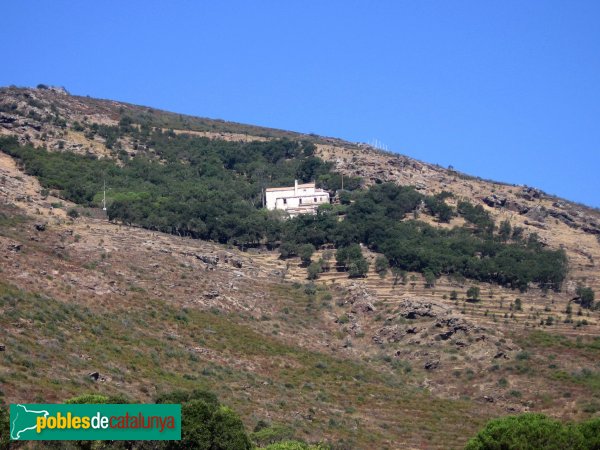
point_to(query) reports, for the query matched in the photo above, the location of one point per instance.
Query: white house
(297, 199)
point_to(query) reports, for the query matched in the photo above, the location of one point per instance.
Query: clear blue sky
(507, 90)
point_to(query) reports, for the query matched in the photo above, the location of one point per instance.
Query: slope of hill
(375, 361)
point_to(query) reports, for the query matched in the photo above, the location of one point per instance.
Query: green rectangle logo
(95, 422)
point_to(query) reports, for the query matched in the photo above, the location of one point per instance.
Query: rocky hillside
(378, 361)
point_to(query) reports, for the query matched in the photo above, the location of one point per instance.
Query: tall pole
(104, 197)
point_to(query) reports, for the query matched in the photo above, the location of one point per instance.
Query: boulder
(529, 193)
(94, 376)
(211, 260)
(412, 309)
(495, 201)
(432, 364)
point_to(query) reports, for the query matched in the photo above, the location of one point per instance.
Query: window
(300, 201)
(315, 199)
(285, 201)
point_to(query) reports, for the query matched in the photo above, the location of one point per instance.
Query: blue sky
(505, 90)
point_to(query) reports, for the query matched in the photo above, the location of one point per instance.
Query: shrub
(473, 293)
(305, 252)
(381, 265)
(314, 269)
(586, 297)
(529, 432)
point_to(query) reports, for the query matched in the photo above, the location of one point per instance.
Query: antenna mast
(104, 197)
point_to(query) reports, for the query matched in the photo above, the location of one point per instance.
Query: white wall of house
(297, 199)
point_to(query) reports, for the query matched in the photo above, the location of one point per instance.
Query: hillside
(364, 362)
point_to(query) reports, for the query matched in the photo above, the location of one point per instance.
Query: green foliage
(438, 208)
(429, 278)
(205, 423)
(518, 304)
(590, 430)
(381, 265)
(4, 427)
(305, 251)
(504, 230)
(295, 445)
(586, 296)
(477, 216)
(271, 434)
(358, 268)
(73, 213)
(314, 269)
(473, 293)
(535, 431)
(351, 259)
(88, 399)
(211, 189)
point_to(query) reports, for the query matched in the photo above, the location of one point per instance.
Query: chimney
(295, 187)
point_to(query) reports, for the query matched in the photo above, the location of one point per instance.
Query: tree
(518, 304)
(528, 432)
(381, 265)
(453, 295)
(205, 424)
(305, 252)
(358, 268)
(504, 230)
(314, 269)
(429, 278)
(473, 293)
(4, 427)
(586, 297)
(288, 249)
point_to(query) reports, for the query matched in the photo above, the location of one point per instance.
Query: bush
(381, 265)
(473, 293)
(295, 445)
(586, 297)
(271, 434)
(73, 213)
(314, 269)
(4, 427)
(527, 432)
(429, 278)
(305, 252)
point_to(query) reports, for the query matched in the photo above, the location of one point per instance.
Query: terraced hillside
(368, 362)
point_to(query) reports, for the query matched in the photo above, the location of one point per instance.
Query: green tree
(590, 430)
(4, 427)
(504, 230)
(586, 296)
(429, 278)
(527, 432)
(314, 269)
(518, 304)
(305, 251)
(473, 293)
(381, 265)
(358, 268)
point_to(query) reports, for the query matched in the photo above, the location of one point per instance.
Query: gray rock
(432, 365)
(495, 201)
(94, 376)
(207, 259)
